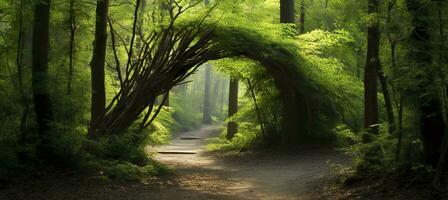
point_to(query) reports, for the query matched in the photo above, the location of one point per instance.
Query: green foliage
(328, 59)
(186, 119)
(123, 170)
(345, 136)
(379, 154)
(328, 52)
(8, 157)
(121, 147)
(248, 135)
(160, 130)
(316, 58)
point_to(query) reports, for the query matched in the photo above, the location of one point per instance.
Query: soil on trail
(197, 176)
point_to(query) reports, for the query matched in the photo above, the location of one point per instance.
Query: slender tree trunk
(215, 93)
(206, 117)
(40, 82)
(260, 119)
(140, 24)
(25, 102)
(232, 127)
(166, 96)
(441, 166)
(19, 56)
(371, 72)
(398, 102)
(72, 22)
(287, 11)
(387, 99)
(302, 17)
(358, 63)
(222, 96)
(19, 63)
(400, 130)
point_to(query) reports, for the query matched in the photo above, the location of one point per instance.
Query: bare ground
(197, 176)
(262, 176)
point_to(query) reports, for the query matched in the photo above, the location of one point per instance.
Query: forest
(223, 99)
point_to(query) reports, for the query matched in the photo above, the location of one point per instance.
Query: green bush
(123, 170)
(247, 137)
(377, 155)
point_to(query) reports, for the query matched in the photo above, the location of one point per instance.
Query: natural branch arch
(172, 54)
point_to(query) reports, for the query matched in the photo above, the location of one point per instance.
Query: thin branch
(117, 60)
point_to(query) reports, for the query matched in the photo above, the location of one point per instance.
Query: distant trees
(207, 109)
(232, 127)
(302, 16)
(40, 80)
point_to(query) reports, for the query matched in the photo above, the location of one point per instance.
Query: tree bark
(287, 11)
(232, 127)
(206, 117)
(97, 65)
(371, 71)
(40, 81)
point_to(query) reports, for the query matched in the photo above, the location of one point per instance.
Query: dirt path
(272, 177)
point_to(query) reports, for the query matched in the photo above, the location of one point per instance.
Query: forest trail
(198, 175)
(201, 176)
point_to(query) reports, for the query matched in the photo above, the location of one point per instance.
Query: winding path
(200, 176)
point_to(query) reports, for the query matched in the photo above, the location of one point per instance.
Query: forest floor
(197, 175)
(307, 174)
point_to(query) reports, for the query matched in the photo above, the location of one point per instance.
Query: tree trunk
(215, 94)
(223, 96)
(97, 64)
(206, 117)
(40, 82)
(302, 17)
(72, 22)
(441, 166)
(287, 11)
(232, 127)
(140, 24)
(358, 63)
(387, 99)
(298, 110)
(371, 72)
(295, 107)
(431, 118)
